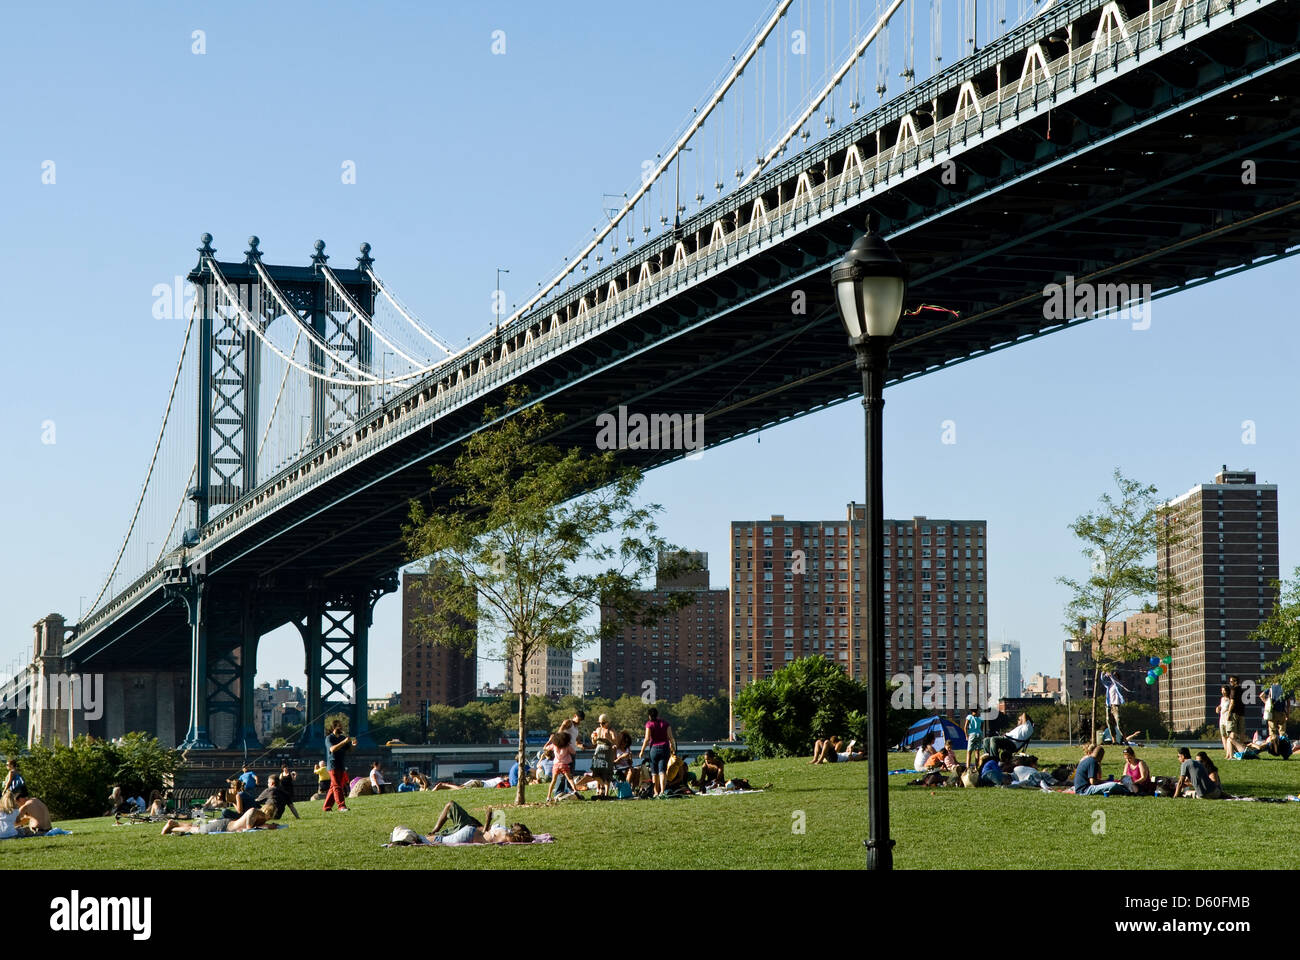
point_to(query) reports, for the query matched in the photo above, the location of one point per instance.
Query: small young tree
(1282, 630)
(1121, 540)
(525, 541)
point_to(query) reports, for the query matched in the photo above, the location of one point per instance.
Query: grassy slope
(943, 828)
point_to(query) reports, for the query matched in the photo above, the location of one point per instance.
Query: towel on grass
(425, 842)
(716, 792)
(53, 832)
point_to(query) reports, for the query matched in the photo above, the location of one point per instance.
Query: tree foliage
(74, 779)
(523, 541)
(1124, 541)
(1282, 629)
(807, 700)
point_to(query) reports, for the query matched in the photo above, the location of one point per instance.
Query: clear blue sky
(467, 161)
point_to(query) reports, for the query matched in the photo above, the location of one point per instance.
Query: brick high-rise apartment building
(1226, 563)
(685, 652)
(430, 672)
(797, 591)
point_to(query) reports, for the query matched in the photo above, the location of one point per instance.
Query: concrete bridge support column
(48, 681)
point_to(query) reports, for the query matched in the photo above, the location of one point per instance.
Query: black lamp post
(869, 286)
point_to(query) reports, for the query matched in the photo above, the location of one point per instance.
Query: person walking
(286, 781)
(662, 744)
(1114, 699)
(337, 745)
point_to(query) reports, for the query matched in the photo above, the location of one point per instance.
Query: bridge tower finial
(319, 257)
(207, 249)
(365, 260)
(252, 254)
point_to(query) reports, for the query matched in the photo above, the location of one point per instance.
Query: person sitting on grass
(924, 752)
(408, 785)
(1087, 776)
(1194, 779)
(991, 774)
(1204, 759)
(456, 827)
(711, 770)
(244, 801)
(945, 759)
(255, 818)
(1137, 775)
(275, 796)
(117, 802)
(824, 751)
(35, 815)
(623, 768)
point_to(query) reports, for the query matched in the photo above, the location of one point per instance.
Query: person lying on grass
(491, 783)
(824, 751)
(456, 827)
(256, 817)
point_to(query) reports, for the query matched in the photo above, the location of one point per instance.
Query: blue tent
(944, 730)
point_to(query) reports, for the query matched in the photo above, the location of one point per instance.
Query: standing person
(14, 782)
(659, 738)
(1236, 713)
(1114, 699)
(322, 779)
(973, 727)
(286, 781)
(603, 742)
(337, 745)
(247, 779)
(1277, 723)
(1224, 710)
(562, 751)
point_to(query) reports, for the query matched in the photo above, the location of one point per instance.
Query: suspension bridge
(1137, 148)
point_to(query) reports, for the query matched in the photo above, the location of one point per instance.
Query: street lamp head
(984, 665)
(870, 283)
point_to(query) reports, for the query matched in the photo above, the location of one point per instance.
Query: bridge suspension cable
(360, 314)
(825, 92)
(153, 460)
(664, 163)
(405, 314)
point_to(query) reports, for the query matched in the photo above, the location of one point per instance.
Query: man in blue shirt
(407, 786)
(1087, 775)
(337, 745)
(247, 778)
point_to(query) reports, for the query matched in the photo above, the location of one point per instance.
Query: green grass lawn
(935, 829)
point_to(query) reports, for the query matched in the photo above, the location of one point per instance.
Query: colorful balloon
(1150, 679)
(1159, 671)
(1168, 660)
(1154, 661)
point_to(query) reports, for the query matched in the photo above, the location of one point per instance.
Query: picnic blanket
(719, 792)
(537, 838)
(53, 832)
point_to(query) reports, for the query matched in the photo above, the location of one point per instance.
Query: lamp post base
(880, 854)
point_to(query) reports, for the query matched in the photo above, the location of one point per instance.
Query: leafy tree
(1282, 630)
(811, 698)
(630, 713)
(526, 540)
(1121, 540)
(694, 718)
(391, 723)
(74, 779)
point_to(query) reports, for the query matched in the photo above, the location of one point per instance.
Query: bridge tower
(228, 616)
